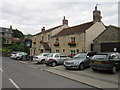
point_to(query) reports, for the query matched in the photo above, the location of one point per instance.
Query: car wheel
(82, 66)
(17, 58)
(47, 64)
(42, 61)
(114, 70)
(53, 64)
(94, 69)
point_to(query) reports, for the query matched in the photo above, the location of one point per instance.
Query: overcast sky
(29, 16)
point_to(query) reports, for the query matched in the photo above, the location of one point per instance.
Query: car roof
(106, 52)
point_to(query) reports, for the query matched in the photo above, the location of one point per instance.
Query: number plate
(98, 62)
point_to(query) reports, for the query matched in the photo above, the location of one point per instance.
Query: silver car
(79, 61)
(19, 55)
(40, 58)
(55, 59)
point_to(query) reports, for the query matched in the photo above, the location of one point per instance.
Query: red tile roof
(75, 29)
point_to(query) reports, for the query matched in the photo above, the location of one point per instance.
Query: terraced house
(6, 35)
(72, 40)
(41, 42)
(78, 38)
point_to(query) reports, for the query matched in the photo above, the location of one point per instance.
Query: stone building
(41, 42)
(68, 40)
(6, 35)
(108, 40)
(78, 38)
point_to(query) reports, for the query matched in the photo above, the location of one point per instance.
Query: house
(108, 40)
(41, 42)
(78, 38)
(6, 35)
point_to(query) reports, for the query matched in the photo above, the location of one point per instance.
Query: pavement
(101, 79)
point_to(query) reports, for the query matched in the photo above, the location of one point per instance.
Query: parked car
(55, 59)
(13, 54)
(106, 61)
(79, 61)
(20, 56)
(40, 58)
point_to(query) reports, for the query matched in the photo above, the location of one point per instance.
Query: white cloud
(30, 15)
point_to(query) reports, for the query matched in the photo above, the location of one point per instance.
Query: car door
(63, 58)
(115, 59)
(57, 58)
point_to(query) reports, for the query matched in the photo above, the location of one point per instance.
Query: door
(110, 47)
(63, 58)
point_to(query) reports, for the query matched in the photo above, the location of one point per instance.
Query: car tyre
(53, 64)
(47, 64)
(82, 66)
(114, 70)
(94, 69)
(17, 58)
(42, 61)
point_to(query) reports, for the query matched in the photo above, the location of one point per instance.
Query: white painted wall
(92, 33)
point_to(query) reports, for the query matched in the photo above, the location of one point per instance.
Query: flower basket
(71, 55)
(72, 43)
(34, 42)
(56, 44)
(41, 41)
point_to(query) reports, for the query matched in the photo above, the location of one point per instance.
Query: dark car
(79, 61)
(106, 61)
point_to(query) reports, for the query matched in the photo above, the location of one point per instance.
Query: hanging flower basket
(41, 41)
(34, 42)
(56, 44)
(72, 43)
(71, 55)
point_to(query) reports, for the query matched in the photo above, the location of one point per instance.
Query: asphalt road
(19, 75)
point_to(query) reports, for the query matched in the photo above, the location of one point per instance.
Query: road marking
(1, 70)
(14, 84)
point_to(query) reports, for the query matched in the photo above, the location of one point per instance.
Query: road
(19, 75)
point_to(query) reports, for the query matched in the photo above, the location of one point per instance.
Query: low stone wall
(5, 54)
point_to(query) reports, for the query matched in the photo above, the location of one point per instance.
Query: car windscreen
(50, 55)
(100, 56)
(80, 55)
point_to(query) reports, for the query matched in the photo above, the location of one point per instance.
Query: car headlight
(76, 63)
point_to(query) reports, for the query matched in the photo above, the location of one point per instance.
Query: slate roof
(75, 29)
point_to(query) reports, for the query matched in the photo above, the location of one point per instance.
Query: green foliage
(18, 34)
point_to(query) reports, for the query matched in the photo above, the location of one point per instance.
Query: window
(72, 52)
(63, 50)
(48, 37)
(7, 41)
(62, 55)
(113, 56)
(57, 51)
(57, 56)
(77, 50)
(72, 39)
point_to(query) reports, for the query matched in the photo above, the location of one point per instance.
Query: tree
(18, 34)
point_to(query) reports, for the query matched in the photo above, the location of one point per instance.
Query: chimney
(11, 27)
(65, 22)
(43, 29)
(96, 15)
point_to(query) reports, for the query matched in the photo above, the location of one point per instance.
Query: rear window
(100, 56)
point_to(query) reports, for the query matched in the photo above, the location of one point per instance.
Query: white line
(14, 83)
(1, 69)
